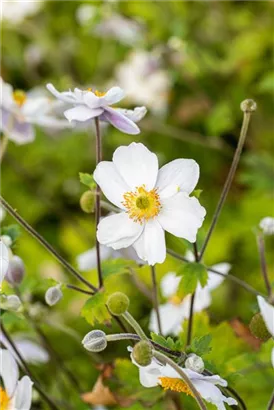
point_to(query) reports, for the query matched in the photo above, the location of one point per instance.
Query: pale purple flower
(88, 104)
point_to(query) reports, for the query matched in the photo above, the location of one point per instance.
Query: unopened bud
(248, 105)
(195, 363)
(142, 353)
(87, 201)
(10, 302)
(4, 260)
(258, 328)
(95, 341)
(53, 295)
(15, 271)
(7, 240)
(118, 303)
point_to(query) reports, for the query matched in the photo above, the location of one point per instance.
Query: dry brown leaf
(244, 333)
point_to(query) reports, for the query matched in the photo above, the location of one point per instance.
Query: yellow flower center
(174, 384)
(141, 204)
(97, 93)
(4, 399)
(19, 97)
(175, 300)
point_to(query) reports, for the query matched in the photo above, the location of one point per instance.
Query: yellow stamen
(175, 300)
(141, 204)
(4, 399)
(174, 384)
(19, 97)
(97, 93)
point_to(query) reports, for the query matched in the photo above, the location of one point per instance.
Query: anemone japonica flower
(176, 310)
(15, 394)
(151, 201)
(267, 225)
(90, 104)
(20, 111)
(157, 374)
(267, 312)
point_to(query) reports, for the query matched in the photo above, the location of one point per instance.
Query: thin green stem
(261, 248)
(192, 301)
(135, 325)
(227, 185)
(166, 360)
(97, 201)
(43, 242)
(155, 298)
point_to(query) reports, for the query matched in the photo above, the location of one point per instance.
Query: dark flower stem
(97, 201)
(192, 301)
(43, 242)
(86, 292)
(261, 247)
(155, 298)
(270, 405)
(229, 179)
(27, 370)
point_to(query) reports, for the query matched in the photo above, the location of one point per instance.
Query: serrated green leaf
(13, 231)
(191, 273)
(166, 342)
(201, 345)
(94, 310)
(116, 267)
(87, 179)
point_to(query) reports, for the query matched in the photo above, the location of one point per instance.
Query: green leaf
(166, 342)
(197, 193)
(191, 273)
(201, 345)
(116, 267)
(13, 231)
(87, 179)
(94, 310)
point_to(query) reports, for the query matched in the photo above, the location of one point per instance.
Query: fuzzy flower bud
(258, 328)
(118, 303)
(95, 341)
(195, 363)
(248, 105)
(142, 353)
(53, 295)
(87, 202)
(16, 270)
(10, 302)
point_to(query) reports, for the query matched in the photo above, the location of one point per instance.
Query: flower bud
(95, 341)
(4, 260)
(118, 303)
(87, 202)
(7, 240)
(258, 328)
(142, 353)
(10, 302)
(15, 271)
(248, 105)
(53, 295)
(195, 363)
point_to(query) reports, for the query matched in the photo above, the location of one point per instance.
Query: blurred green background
(195, 63)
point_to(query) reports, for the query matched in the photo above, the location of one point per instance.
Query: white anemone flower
(267, 225)
(176, 310)
(15, 394)
(90, 104)
(29, 350)
(151, 201)
(267, 312)
(156, 374)
(15, 12)
(20, 111)
(4, 261)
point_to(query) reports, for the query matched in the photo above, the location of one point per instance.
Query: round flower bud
(87, 202)
(118, 303)
(195, 363)
(53, 295)
(95, 341)
(10, 302)
(15, 271)
(142, 353)
(258, 328)
(248, 105)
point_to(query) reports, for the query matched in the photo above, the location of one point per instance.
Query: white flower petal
(135, 115)
(66, 96)
(182, 216)
(171, 319)
(22, 396)
(88, 260)
(118, 231)
(31, 352)
(178, 175)
(119, 121)
(82, 113)
(169, 284)
(7, 100)
(151, 245)
(267, 312)
(137, 165)
(213, 394)
(215, 280)
(91, 100)
(4, 260)
(111, 183)
(20, 132)
(114, 95)
(8, 371)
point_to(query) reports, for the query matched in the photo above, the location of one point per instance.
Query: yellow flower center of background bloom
(142, 204)
(175, 300)
(4, 399)
(19, 97)
(97, 93)
(174, 384)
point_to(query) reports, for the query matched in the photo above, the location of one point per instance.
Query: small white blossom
(15, 394)
(151, 201)
(267, 225)
(53, 295)
(267, 311)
